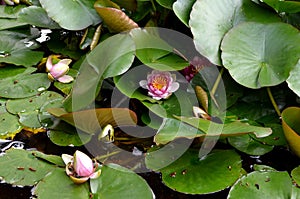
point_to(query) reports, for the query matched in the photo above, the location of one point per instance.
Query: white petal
(174, 87)
(67, 158)
(65, 79)
(143, 84)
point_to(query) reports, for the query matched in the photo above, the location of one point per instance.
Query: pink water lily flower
(160, 84)
(59, 70)
(80, 167)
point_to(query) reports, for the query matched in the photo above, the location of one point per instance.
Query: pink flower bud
(83, 165)
(59, 70)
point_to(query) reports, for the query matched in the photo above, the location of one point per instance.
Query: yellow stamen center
(159, 82)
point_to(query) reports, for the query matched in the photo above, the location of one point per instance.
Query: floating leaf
(9, 15)
(296, 174)
(210, 20)
(294, 80)
(48, 187)
(118, 182)
(54, 159)
(228, 129)
(271, 184)
(191, 175)
(166, 3)
(28, 109)
(115, 19)
(20, 167)
(284, 6)
(291, 128)
(65, 135)
(64, 12)
(156, 53)
(182, 9)
(9, 125)
(18, 51)
(91, 121)
(37, 16)
(86, 87)
(266, 51)
(248, 145)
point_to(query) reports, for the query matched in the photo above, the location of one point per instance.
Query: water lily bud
(160, 84)
(59, 70)
(83, 165)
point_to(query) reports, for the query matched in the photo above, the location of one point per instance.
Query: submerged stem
(217, 82)
(273, 101)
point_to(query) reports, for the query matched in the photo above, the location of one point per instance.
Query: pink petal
(65, 79)
(83, 165)
(59, 70)
(49, 64)
(65, 61)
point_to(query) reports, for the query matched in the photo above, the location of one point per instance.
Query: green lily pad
(48, 187)
(296, 174)
(182, 9)
(37, 16)
(10, 71)
(21, 86)
(10, 12)
(266, 51)
(28, 109)
(210, 20)
(98, 64)
(18, 51)
(72, 15)
(284, 6)
(65, 135)
(166, 3)
(249, 146)
(271, 184)
(277, 137)
(156, 53)
(118, 182)
(293, 80)
(20, 167)
(9, 125)
(191, 175)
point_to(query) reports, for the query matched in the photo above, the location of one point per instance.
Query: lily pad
(48, 187)
(118, 182)
(37, 16)
(166, 3)
(291, 128)
(293, 80)
(18, 51)
(191, 175)
(9, 125)
(20, 167)
(210, 20)
(156, 53)
(271, 184)
(266, 51)
(296, 174)
(182, 9)
(28, 109)
(248, 145)
(284, 6)
(72, 15)
(65, 135)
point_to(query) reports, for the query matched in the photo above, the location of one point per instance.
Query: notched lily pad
(270, 184)
(191, 175)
